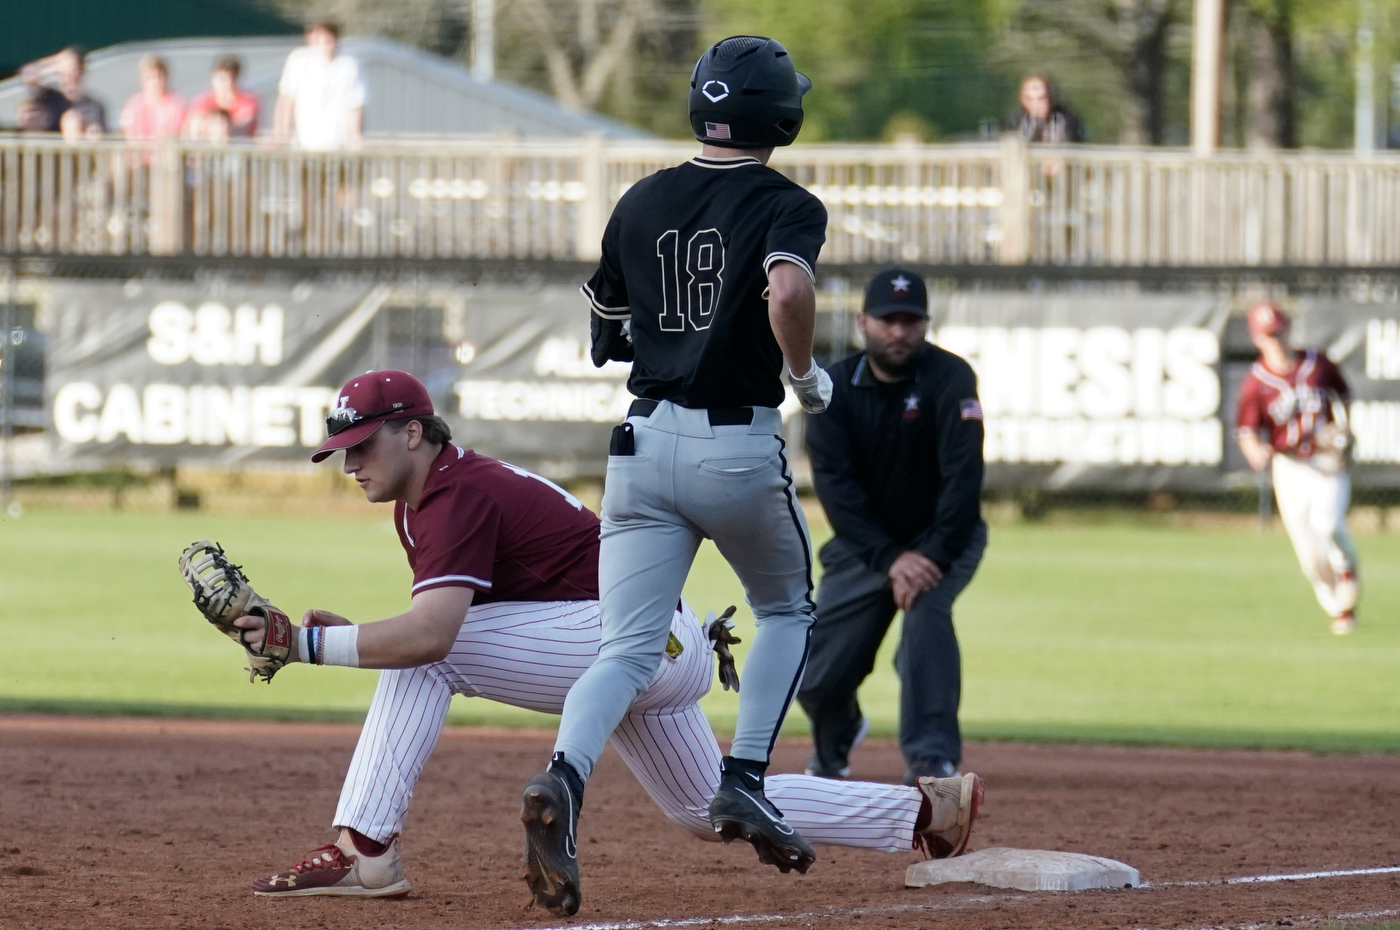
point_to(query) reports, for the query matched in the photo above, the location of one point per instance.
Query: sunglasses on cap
(339, 422)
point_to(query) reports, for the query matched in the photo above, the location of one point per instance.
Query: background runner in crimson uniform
(484, 525)
(1310, 483)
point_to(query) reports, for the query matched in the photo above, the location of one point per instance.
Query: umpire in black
(897, 460)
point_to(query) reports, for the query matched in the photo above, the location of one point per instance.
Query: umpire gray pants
(854, 609)
(687, 482)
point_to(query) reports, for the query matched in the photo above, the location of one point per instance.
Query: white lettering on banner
(1376, 427)
(121, 414)
(550, 401)
(1105, 442)
(215, 335)
(1104, 395)
(1383, 350)
(75, 407)
(569, 358)
(208, 415)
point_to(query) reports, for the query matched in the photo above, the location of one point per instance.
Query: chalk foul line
(1283, 877)
(847, 913)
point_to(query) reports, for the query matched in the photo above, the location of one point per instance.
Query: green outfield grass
(1126, 632)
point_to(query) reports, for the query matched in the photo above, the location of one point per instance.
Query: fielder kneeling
(505, 607)
(1293, 413)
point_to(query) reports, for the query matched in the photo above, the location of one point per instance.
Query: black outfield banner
(1094, 391)
(1087, 391)
(161, 373)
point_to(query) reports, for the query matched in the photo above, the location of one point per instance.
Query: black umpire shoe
(740, 811)
(549, 809)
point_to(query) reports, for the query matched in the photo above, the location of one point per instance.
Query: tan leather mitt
(223, 594)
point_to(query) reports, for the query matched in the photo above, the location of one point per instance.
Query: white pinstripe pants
(528, 654)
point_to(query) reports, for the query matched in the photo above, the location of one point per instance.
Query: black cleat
(740, 811)
(550, 814)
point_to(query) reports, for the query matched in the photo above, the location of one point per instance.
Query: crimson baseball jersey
(1291, 407)
(507, 534)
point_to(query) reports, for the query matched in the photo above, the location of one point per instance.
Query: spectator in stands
(208, 126)
(47, 107)
(240, 108)
(1042, 117)
(321, 98)
(155, 111)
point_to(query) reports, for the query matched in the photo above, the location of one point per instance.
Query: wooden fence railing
(986, 203)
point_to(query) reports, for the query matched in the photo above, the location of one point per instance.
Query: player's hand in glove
(224, 596)
(721, 634)
(813, 389)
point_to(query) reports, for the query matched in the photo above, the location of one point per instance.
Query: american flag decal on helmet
(717, 130)
(971, 409)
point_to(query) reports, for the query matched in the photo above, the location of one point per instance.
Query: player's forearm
(792, 312)
(405, 641)
(1255, 452)
(422, 635)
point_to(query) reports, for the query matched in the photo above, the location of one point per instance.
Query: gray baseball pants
(687, 482)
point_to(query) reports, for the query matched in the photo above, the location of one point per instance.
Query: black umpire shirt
(898, 466)
(685, 259)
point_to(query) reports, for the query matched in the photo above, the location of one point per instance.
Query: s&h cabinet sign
(1093, 390)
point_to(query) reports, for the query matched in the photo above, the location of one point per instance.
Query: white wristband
(340, 646)
(330, 645)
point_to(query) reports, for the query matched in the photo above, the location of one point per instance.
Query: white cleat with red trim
(340, 869)
(954, 805)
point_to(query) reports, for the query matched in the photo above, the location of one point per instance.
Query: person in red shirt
(1293, 416)
(225, 94)
(155, 111)
(505, 607)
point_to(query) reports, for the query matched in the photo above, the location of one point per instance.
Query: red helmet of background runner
(1266, 319)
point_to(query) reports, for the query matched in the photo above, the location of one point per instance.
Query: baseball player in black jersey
(706, 285)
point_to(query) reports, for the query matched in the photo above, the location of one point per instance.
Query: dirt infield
(162, 823)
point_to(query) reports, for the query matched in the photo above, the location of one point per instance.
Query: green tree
(880, 65)
(1112, 60)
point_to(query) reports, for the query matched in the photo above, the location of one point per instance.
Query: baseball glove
(223, 594)
(722, 637)
(1335, 434)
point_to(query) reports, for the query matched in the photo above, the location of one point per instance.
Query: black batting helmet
(745, 93)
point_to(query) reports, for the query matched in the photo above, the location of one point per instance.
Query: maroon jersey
(499, 530)
(1291, 407)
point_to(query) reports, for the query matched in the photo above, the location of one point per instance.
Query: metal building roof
(410, 91)
(33, 30)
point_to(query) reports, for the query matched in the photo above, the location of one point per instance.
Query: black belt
(719, 416)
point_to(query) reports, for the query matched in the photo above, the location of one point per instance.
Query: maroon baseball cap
(366, 402)
(1266, 319)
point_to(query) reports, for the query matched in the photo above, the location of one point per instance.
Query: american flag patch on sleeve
(971, 409)
(717, 130)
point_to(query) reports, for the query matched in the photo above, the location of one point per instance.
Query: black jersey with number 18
(685, 258)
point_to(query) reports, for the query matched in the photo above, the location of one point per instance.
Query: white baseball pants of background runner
(687, 482)
(528, 654)
(1312, 500)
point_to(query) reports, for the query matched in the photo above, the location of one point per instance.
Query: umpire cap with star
(896, 290)
(366, 403)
